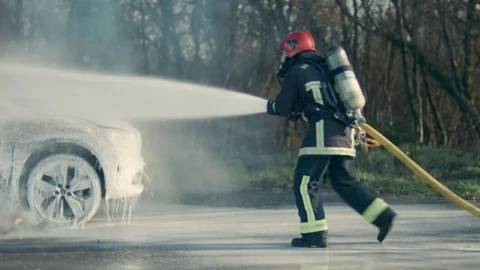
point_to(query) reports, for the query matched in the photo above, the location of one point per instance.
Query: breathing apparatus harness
(349, 118)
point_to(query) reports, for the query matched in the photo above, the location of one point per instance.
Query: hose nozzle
(358, 115)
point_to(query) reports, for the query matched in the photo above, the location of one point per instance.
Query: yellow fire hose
(448, 194)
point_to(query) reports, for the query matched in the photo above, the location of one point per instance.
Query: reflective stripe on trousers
(374, 210)
(311, 225)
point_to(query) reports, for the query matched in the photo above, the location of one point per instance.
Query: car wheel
(64, 189)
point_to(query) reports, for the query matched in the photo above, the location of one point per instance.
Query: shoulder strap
(322, 67)
(339, 113)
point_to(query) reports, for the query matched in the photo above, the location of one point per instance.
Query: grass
(457, 169)
(415, 187)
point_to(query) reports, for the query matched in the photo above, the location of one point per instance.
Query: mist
(180, 165)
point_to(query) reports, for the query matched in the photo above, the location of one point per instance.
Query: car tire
(62, 196)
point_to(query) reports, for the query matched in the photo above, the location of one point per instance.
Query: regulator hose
(448, 194)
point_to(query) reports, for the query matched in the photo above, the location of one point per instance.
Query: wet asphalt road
(202, 235)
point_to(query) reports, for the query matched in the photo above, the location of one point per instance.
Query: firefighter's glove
(295, 116)
(271, 107)
(371, 143)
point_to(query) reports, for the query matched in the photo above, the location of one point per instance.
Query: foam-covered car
(61, 169)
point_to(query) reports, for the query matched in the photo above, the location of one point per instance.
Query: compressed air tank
(345, 80)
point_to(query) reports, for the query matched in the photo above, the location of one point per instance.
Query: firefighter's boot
(317, 240)
(384, 230)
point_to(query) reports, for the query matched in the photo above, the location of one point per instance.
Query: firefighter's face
(283, 67)
(281, 55)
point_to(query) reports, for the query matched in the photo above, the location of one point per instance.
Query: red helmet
(298, 41)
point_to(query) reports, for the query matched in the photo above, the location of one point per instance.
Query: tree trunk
(144, 39)
(386, 86)
(364, 75)
(418, 103)
(406, 79)
(469, 48)
(436, 115)
(170, 38)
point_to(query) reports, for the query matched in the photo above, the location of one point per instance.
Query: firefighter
(308, 94)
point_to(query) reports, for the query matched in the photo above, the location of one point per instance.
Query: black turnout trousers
(309, 170)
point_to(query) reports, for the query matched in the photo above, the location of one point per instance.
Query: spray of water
(28, 91)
